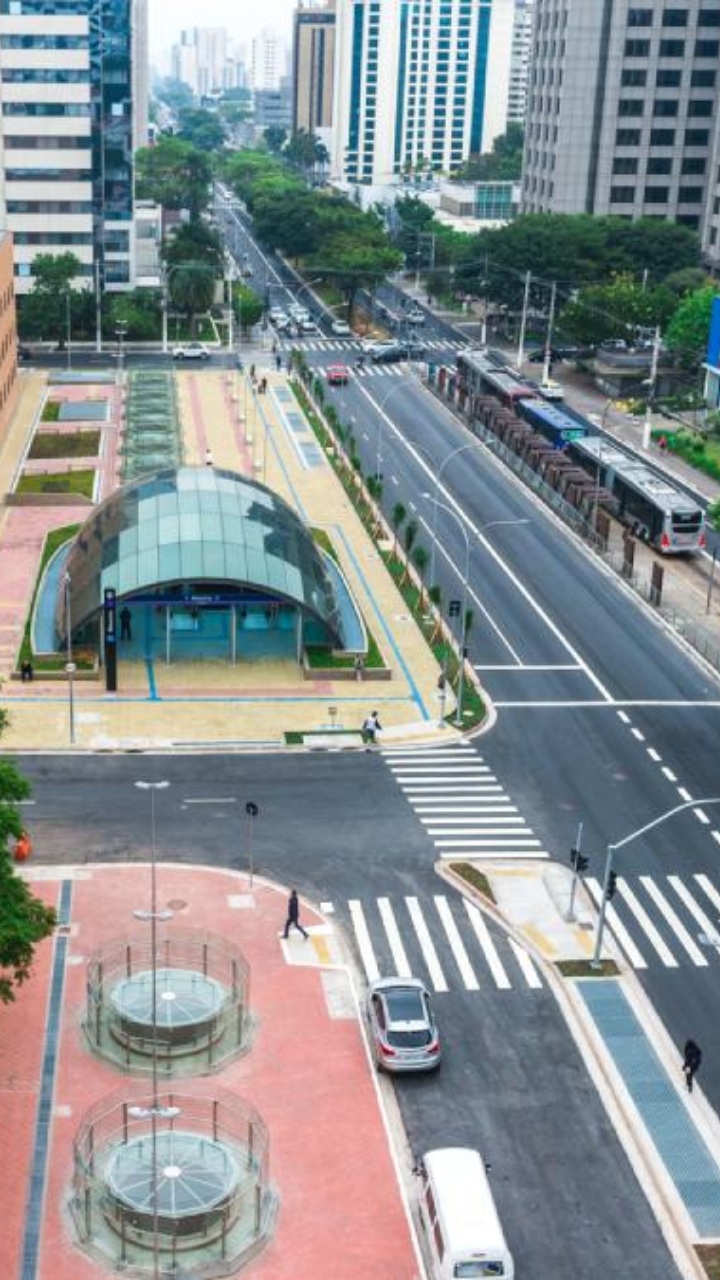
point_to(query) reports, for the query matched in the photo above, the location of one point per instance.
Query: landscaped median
(403, 559)
(51, 666)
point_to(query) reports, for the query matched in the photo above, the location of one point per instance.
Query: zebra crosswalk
(458, 799)
(667, 920)
(446, 943)
(352, 344)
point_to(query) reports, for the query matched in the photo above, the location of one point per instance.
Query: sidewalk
(671, 1137)
(341, 1210)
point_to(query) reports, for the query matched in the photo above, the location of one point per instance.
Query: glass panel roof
(194, 524)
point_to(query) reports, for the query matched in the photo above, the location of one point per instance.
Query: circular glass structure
(187, 1004)
(172, 1183)
(199, 1017)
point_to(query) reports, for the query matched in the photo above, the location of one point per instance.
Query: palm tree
(409, 539)
(420, 559)
(399, 514)
(435, 597)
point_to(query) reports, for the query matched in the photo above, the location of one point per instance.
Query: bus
(549, 420)
(480, 376)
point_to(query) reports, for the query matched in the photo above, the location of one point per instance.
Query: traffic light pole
(596, 962)
(577, 864)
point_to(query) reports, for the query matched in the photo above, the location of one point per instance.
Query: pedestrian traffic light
(454, 609)
(611, 885)
(579, 860)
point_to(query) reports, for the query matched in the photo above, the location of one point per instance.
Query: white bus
(459, 1218)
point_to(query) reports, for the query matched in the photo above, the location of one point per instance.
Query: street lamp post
(120, 331)
(155, 1111)
(381, 427)
(69, 664)
(463, 628)
(620, 844)
(68, 330)
(476, 444)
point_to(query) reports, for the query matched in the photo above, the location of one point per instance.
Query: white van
(458, 1214)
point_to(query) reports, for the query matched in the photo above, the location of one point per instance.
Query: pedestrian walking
(278, 362)
(359, 666)
(126, 624)
(252, 372)
(274, 347)
(662, 443)
(371, 728)
(692, 1057)
(263, 386)
(26, 671)
(293, 916)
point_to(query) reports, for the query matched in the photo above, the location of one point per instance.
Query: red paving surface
(340, 1211)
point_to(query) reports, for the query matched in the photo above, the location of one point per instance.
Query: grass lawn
(701, 452)
(56, 538)
(81, 482)
(51, 411)
(76, 444)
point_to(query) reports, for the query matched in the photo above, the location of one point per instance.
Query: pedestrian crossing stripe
(461, 804)
(666, 935)
(446, 946)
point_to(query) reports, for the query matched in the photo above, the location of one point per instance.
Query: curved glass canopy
(189, 527)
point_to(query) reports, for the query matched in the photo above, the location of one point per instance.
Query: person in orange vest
(23, 847)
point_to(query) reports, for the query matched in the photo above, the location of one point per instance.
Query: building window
(694, 164)
(640, 17)
(702, 78)
(668, 78)
(627, 138)
(697, 137)
(709, 18)
(633, 77)
(690, 195)
(672, 48)
(659, 164)
(625, 164)
(656, 195)
(637, 48)
(675, 18)
(665, 107)
(622, 195)
(630, 107)
(707, 48)
(700, 107)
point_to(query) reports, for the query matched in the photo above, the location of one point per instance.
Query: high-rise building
(622, 105)
(66, 182)
(268, 60)
(520, 61)
(201, 60)
(711, 220)
(313, 67)
(418, 84)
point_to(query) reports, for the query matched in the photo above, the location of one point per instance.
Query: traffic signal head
(611, 885)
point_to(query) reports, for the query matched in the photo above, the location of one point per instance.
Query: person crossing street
(293, 916)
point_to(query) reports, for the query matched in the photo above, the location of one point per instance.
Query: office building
(711, 220)
(623, 100)
(66, 79)
(520, 60)
(273, 107)
(206, 60)
(8, 334)
(420, 84)
(313, 68)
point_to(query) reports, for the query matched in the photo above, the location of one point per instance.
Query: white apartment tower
(520, 60)
(201, 59)
(418, 84)
(622, 108)
(268, 60)
(67, 80)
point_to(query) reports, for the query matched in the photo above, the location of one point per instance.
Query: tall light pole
(620, 844)
(155, 1111)
(229, 280)
(476, 444)
(69, 664)
(120, 331)
(68, 329)
(463, 629)
(398, 386)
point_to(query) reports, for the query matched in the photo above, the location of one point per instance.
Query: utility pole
(98, 308)
(483, 330)
(647, 425)
(520, 359)
(548, 335)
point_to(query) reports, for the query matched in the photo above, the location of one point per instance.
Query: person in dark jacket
(692, 1057)
(293, 916)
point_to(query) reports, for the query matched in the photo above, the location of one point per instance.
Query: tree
(275, 138)
(24, 919)
(176, 93)
(192, 289)
(420, 558)
(616, 310)
(690, 326)
(502, 164)
(354, 266)
(202, 129)
(288, 220)
(247, 306)
(140, 311)
(174, 174)
(44, 311)
(195, 241)
(409, 537)
(398, 517)
(305, 151)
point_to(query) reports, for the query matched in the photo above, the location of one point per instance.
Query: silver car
(402, 1026)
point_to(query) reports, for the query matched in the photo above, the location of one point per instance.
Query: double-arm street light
(608, 878)
(475, 444)
(398, 386)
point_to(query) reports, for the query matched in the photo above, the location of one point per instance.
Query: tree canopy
(616, 310)
(175, 174)
(202, 129)
(689, 328)
(502, 164)
(44, 311)
(24, 919)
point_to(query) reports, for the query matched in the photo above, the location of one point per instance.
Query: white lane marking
(430, 955)
(637, 734)
(702, 816)
(437, 809)
(435, 753)
(482, 933)
(490, 549)
(400, 960)
(654, 755)
(684, 794)
(479, 820)
(438, 771)
(709, 890)
(496, 842)
(647, 925)
(394, 480)
(527, 968)
(668, 773)
(530, 666)
(25, 803)
(365, 947)
(213, 800)
(499, 834)
(675, 922)
(617, 928)
(457, 945)
(622, 715)
(716, 836)
(706, 924)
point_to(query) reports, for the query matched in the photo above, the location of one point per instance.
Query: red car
(338, 375)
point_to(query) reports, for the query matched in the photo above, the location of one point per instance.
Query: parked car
(341, 329)
(337, 375)
(191, 351)
(415, 316)
(538, 357)
(402, 1026)
(308, 325)
(551, 390)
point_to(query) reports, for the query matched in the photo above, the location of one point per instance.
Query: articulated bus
(480, 377)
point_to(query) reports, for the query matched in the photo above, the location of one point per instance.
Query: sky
(241, 18)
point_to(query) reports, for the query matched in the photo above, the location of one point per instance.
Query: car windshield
(406, 1004)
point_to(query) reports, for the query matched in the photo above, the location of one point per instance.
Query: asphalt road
(512, 1082)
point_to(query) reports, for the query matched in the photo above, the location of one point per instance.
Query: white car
(415, 316)
(191, 351)
(341, 329)
(551, 390)
(370, 345)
